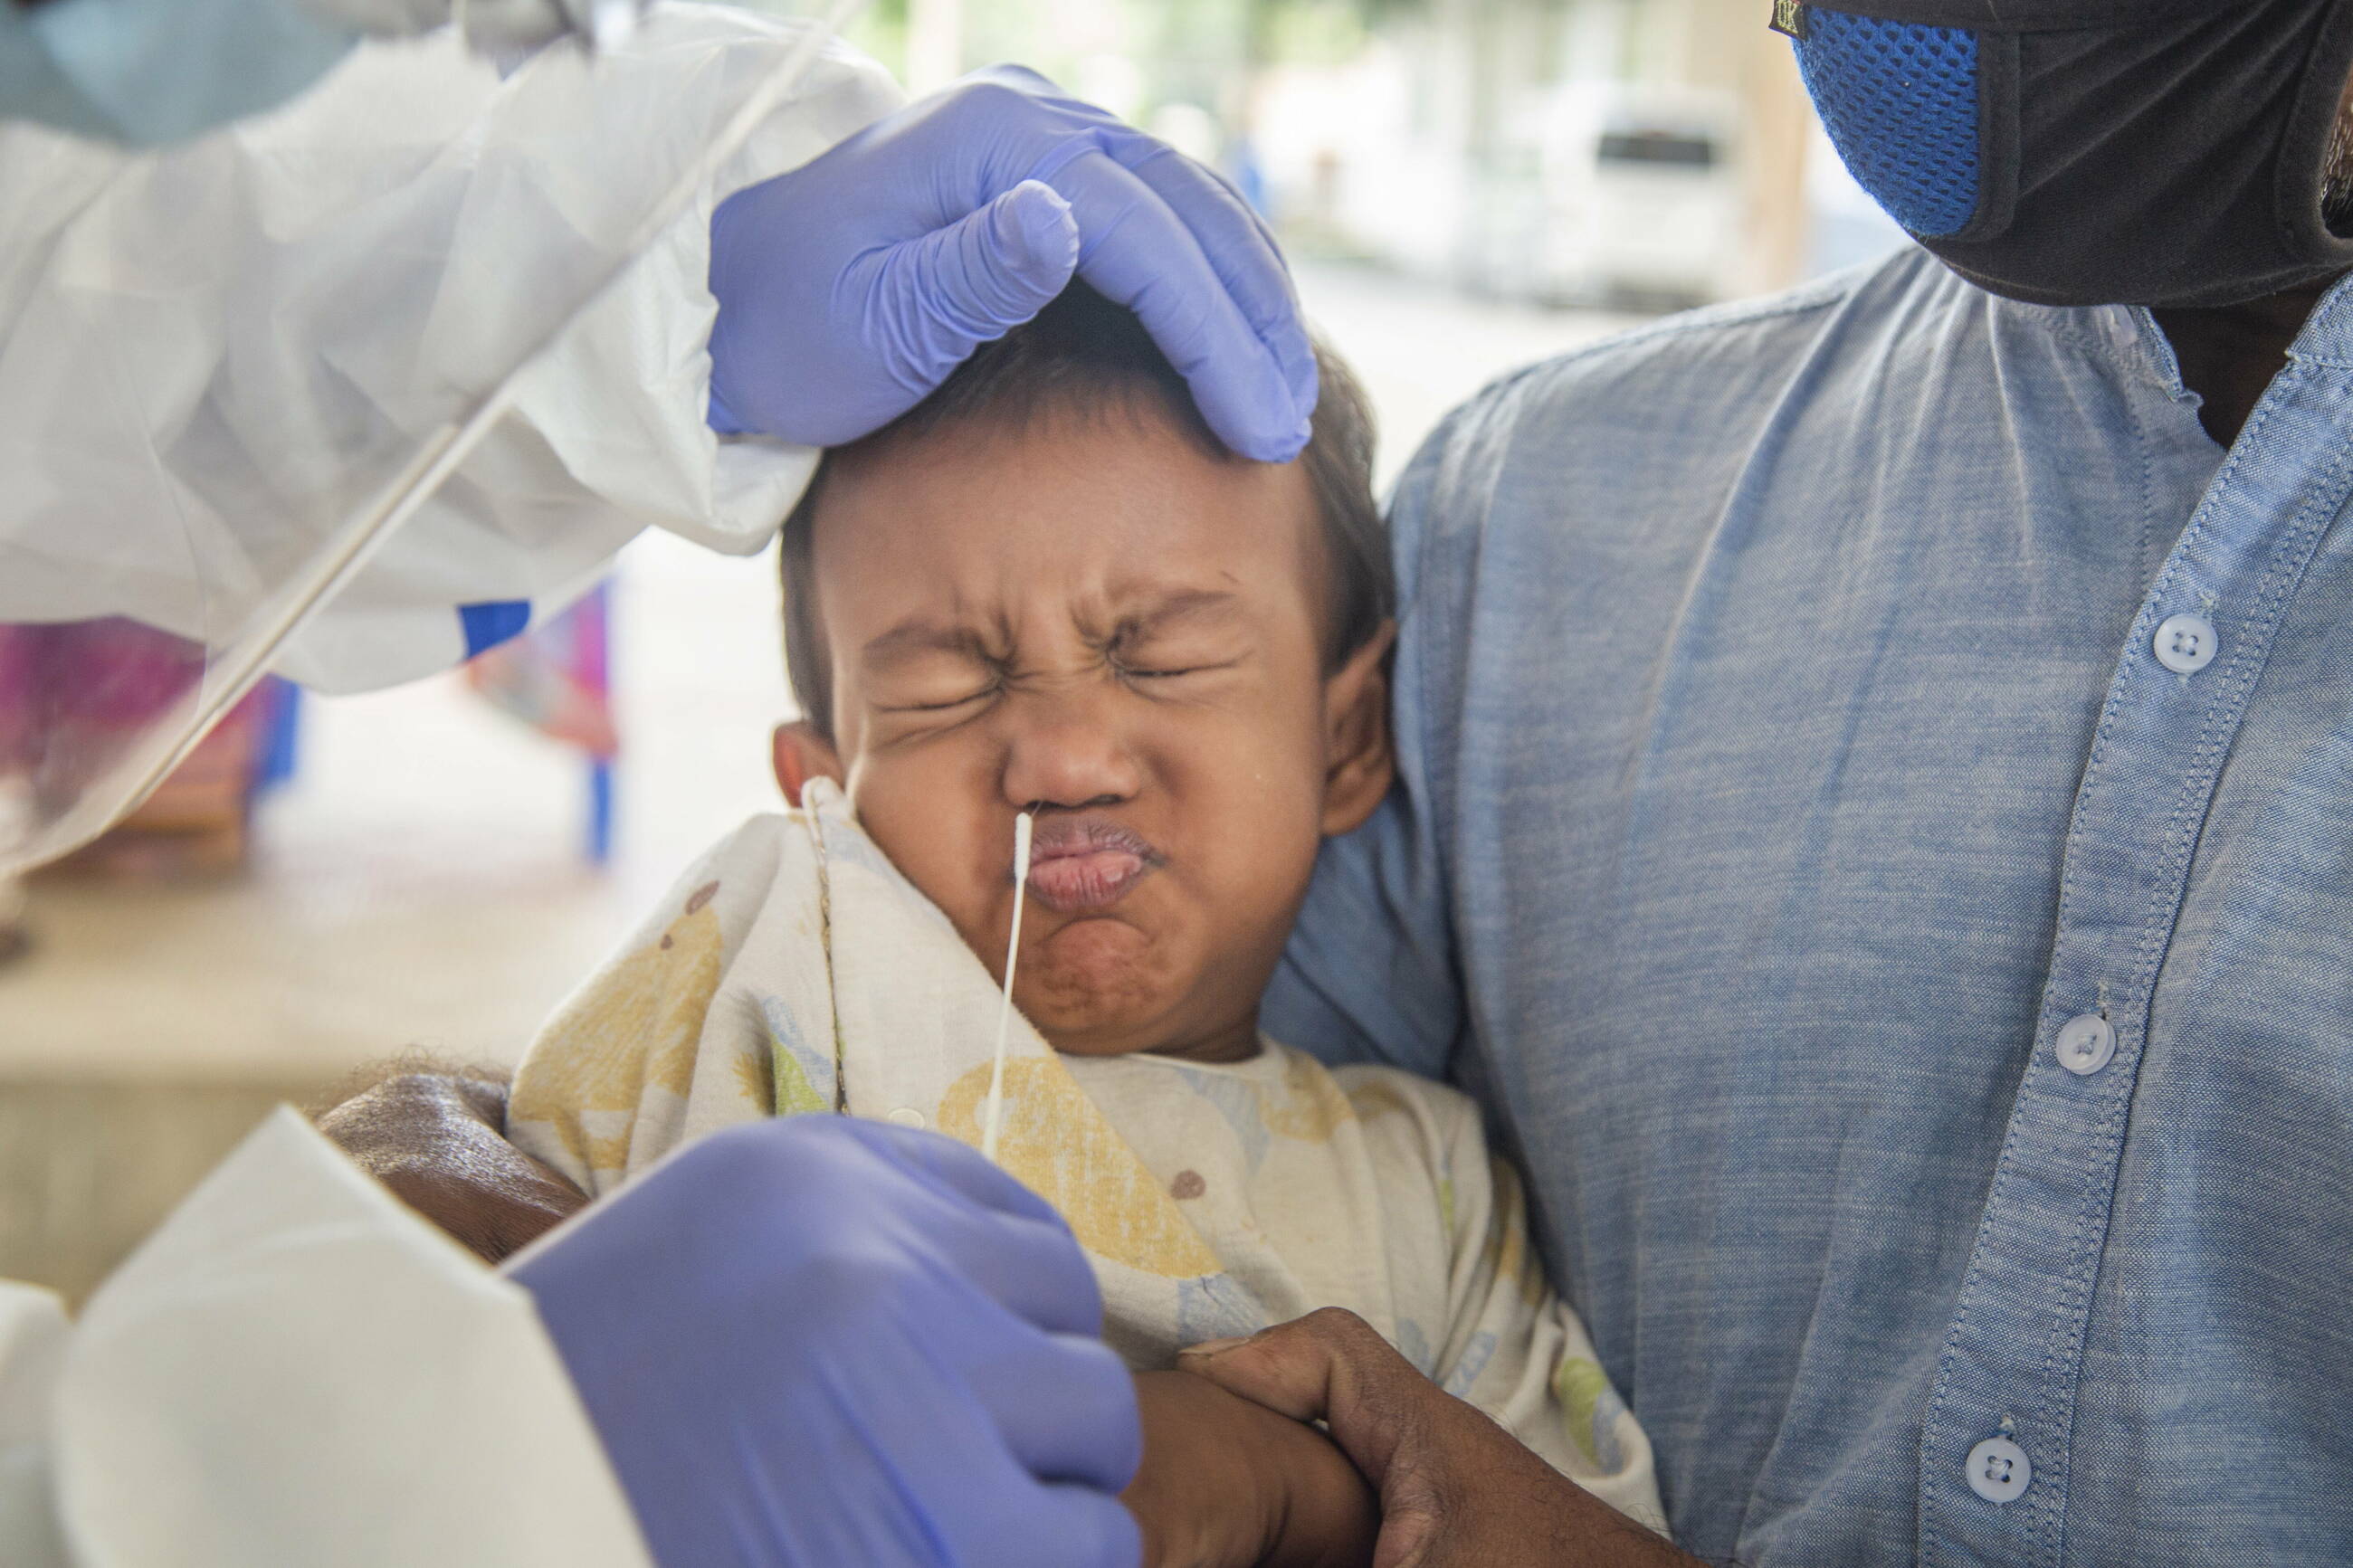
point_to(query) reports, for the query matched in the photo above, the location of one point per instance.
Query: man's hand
(1226, 1483)
(1456, 1490)
(436, 1140)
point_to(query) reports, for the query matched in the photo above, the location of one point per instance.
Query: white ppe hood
(215, 358)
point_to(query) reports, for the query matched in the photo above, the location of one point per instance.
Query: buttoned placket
(1994, 1455)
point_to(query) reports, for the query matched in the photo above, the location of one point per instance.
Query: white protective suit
(210, 354)
(295, 1369)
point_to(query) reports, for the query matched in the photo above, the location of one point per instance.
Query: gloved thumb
(943, 295)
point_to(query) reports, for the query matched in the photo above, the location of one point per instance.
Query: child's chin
(1096, 990)
(1096, 1024)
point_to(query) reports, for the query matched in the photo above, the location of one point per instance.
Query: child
(1049, 588)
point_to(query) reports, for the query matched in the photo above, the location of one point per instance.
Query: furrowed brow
(913, 639)
(1174, 610)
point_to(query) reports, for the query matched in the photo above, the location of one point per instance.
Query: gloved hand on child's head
(849, 288)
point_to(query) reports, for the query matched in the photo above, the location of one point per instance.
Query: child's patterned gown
(795, 970)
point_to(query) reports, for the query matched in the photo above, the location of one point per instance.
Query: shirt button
(906, 1116)
(1999, 1470)
(2086, 1044)
(2186, 644)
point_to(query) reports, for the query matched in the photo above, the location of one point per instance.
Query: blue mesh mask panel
(1900, 101)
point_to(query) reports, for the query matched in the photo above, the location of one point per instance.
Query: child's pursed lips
(1080, 863)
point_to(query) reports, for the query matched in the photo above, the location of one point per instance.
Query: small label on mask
(1789, 16)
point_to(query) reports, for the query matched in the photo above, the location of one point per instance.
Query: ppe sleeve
(295, 1369)
(624, 405)
(611, 435)
(32, 1351)
(221, 351)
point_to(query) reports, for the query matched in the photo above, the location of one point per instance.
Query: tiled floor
(422, 886)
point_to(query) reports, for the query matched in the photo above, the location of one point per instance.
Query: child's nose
(1065, 753)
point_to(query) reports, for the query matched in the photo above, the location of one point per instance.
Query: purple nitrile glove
(819, 1341)
(850, 286)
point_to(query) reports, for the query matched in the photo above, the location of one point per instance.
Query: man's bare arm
(435, 1135)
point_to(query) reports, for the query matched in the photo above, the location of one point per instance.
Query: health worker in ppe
(330, 346)
(1872, 828)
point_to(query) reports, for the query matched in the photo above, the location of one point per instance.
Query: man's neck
(2230, 354)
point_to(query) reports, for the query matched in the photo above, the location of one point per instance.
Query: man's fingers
(1139, 252)
(1328, 1366)
(1287, 1371)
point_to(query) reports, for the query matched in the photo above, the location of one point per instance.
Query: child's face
(1094, 618)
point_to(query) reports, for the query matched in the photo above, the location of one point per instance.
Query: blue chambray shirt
(1925, 1016)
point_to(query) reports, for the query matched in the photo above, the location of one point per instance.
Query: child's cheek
(934, 830)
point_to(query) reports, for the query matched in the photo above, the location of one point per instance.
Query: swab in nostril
(1022, 826)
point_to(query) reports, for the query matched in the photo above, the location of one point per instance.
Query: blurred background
(1464, 186)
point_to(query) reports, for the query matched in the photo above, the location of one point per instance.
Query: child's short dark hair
(1083, 352)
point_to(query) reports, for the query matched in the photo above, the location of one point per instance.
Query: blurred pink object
(557, 678)
(75, 696)
(87, 682)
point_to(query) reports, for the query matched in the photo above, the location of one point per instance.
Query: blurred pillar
(934, 43)
(1777, 126)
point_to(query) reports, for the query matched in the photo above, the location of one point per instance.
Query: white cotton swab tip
(1023, 826)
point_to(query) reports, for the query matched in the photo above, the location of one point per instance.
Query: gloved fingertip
(1271, 443)
(1306, 382)
(1039, 221)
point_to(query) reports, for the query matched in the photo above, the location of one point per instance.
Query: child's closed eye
(1143, 656)
(939, 704)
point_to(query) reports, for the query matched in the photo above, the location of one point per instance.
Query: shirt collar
(2327, 335)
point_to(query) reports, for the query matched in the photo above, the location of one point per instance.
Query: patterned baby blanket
(795, 970)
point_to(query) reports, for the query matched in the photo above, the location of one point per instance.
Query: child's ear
(1359, 763)
(800, 754)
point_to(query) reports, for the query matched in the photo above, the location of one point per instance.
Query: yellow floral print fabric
(796, 971)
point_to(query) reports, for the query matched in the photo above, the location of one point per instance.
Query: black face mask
(2165, 153)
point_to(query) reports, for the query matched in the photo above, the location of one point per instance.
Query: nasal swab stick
(1022, 826)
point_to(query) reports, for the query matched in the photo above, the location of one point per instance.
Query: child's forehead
(1122, 510)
